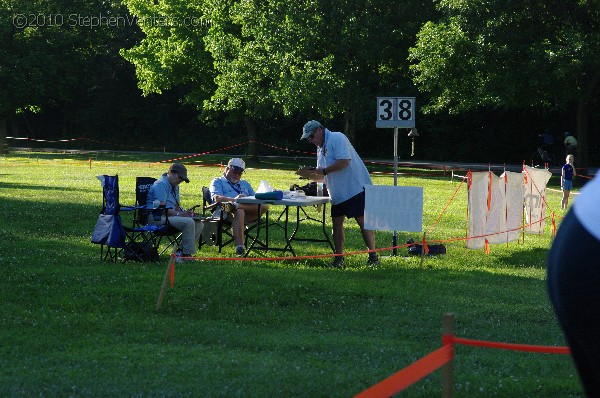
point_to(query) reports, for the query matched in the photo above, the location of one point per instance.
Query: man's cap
(237, 164)
(309, 129)
(180, 170)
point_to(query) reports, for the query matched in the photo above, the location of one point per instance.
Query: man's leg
(245, 214)
(251, 211)
(338, 234)
(237, 226)
(368, 235)
(187, 226)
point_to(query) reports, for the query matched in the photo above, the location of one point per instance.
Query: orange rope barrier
(447, 204)
(508, 346)
(411, 374)
(202, 153)
(428, 364)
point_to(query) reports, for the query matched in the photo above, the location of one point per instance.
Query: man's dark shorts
(351, 208)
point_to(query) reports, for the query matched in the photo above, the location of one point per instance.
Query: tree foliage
(512, 54)
(275, 57)
(171, 52)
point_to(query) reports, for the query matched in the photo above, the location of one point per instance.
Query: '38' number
(395, 112)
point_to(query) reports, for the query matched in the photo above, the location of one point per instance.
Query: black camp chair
(217, 229)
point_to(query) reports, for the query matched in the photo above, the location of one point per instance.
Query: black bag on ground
(141, 252)
(416, 249)
(309, 189)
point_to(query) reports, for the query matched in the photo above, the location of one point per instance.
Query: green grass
(72, 325)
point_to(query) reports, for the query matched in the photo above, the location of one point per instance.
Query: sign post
(395, 112)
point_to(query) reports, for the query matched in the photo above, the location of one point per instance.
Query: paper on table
(264, 186)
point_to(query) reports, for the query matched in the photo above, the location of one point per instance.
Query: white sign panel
(389, 208)
(395, 112)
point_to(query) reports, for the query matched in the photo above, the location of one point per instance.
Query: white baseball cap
(237, 164)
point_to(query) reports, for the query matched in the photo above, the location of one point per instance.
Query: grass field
(72, 325)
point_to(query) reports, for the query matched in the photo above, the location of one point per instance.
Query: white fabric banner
(500, 223)
(535, 198)
(477, 204)
(389, 208)
(514, 205)
(495, 222)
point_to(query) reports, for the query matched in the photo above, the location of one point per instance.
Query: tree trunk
(350, 126)
(252, 147)
(3, 141)
(581, 160)
(583, 111)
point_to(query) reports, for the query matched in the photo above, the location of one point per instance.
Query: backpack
(309, 189)
(140, 252)
(416, 249)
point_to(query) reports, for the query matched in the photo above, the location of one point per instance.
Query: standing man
(166, 191)
(346, 176)
(227, 189)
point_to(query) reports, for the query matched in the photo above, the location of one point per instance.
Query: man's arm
(318, 173)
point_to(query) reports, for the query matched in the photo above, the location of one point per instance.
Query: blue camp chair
(109, 232)
(137, 243)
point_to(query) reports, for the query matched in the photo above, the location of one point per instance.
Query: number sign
(395, 112)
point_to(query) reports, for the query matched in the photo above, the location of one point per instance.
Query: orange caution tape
(410, 375)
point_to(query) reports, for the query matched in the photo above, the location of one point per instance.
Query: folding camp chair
(217, 228)
(137, 243)
(214, 227)
(141, 213)
(109, 232)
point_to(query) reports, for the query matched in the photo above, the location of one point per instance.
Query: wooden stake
(163, 288)
(423, 248)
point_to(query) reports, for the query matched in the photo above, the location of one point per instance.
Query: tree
(319, 58)
(513, 54)
(277, 57)
(50, 53)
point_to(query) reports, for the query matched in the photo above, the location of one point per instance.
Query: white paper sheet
(389, 208)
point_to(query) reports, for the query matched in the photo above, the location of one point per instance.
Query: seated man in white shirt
(228, 188)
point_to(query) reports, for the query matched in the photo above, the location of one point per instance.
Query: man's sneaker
(181, 257)
(373, 260)
(338, 262)
(229, 207)
(240, 251)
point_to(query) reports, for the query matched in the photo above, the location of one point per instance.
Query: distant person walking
(570, 144)
(566, 179)
(574, 283)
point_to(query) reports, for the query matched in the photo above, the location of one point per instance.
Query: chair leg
(111, 254)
